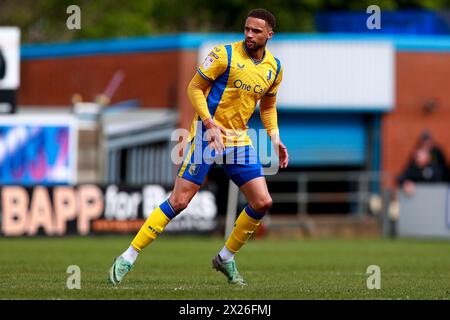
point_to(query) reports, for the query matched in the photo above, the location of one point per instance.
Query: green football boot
(119, 270)
(229, 270)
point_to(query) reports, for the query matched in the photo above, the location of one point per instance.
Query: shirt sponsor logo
(248, 87)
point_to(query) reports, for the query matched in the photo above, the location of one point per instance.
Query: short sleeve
(214, 64)
(274, 88)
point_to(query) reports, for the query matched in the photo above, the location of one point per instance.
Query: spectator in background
(422, 168)
(437, 155)
(2, 65)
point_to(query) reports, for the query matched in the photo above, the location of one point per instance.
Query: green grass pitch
(176, 267)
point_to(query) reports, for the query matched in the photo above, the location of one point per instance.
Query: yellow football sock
(246, 225)
(153, 226)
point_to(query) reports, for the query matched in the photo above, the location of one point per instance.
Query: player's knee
(263, 204)
(179, 203)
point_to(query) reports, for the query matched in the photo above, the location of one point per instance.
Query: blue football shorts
(241, 164)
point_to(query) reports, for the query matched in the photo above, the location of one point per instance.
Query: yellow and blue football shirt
(238, 82)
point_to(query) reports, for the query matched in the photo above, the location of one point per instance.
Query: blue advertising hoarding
(37, 149)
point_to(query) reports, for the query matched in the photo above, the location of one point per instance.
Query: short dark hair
(265, 15)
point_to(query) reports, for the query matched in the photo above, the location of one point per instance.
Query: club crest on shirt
(269, 75)
(208, 62)
(240, 66)
(193, 169)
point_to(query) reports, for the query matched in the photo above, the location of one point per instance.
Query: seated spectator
(420, 169)
(437, 155)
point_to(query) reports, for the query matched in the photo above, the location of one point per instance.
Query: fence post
(302, 195)
(363, 190)
(232, 205)
(385, 219)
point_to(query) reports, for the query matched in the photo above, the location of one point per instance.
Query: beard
(255, 46)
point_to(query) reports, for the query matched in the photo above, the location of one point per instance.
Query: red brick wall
(188, 63)
(156, 79)
(149, 77)
(419, 77)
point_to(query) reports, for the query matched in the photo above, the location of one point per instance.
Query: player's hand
(214, 135)
(280, 150)
(283, 155)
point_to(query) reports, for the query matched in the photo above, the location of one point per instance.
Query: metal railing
(366, 183)
(367, 186)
